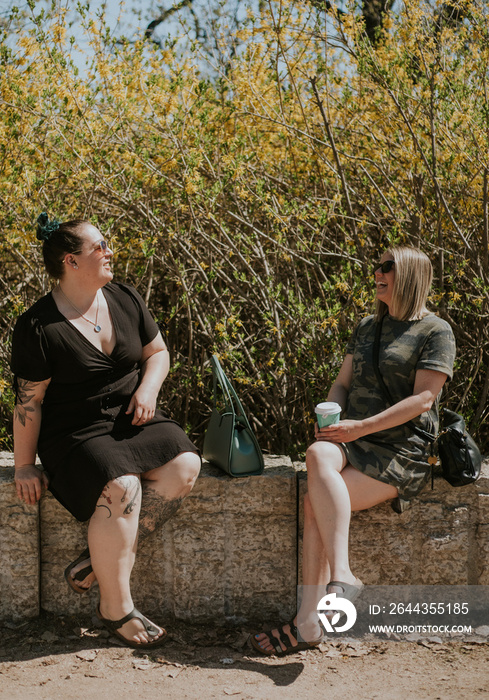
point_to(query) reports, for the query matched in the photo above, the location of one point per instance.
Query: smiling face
(93, 262)
(384, 281)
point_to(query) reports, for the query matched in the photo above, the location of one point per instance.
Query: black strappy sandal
(114, 626)
(81, 575)
(290, 648)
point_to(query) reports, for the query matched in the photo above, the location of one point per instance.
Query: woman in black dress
(88, 362)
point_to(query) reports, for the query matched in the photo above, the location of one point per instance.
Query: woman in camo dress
(371, 455)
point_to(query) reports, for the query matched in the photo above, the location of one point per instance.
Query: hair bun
(46, 228)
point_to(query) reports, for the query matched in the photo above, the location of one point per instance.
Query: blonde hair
(412, 283)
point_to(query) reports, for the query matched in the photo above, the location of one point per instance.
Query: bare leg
(112, 539)
(363, 492)
(315, 576)
(163, 490)
(326, 529)
(330, 502)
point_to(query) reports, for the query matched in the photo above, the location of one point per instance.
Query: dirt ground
(70, 658)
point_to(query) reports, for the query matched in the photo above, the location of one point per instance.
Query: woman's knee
(121, 496)
(323, 455)
(176, 478)
(188, 466)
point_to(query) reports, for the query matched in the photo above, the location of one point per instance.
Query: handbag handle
(230, 396)
(383, 387)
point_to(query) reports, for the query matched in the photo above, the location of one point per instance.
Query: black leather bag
(459, 455)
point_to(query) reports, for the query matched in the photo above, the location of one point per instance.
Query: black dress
(86, 438)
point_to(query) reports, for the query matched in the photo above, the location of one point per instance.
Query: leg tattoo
(131, 494)
(105, 495)
(131, 488)
(155, 510)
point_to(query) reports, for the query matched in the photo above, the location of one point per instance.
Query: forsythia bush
(249, 207)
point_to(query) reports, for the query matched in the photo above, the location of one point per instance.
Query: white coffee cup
(327, 413)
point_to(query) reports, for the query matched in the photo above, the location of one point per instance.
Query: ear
(71, 260)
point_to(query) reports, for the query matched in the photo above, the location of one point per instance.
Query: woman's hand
(155, 363)
(143, 404)
(344, 431)
(29, 483)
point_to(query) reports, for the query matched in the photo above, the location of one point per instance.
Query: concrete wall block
(444, 557)
(236, 562)
(229, 554)
(432, 542)
(19, 546)
(482, 484)
(380, 555)
(483, 503)
(62, 539)
(482, 539)
(431, 508)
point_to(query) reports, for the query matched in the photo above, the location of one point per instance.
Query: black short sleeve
(29, 350)
(148, 330)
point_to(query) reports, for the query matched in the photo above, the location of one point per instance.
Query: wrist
(19, 467)
(150, 388)
(365, 427)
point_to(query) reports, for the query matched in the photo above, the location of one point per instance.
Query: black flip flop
(80, 575)
(114, 625)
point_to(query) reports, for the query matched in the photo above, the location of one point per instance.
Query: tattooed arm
(29, 480)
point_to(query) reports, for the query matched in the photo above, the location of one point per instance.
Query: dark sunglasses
(385, 267)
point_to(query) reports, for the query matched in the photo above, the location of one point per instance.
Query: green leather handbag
(229, 441)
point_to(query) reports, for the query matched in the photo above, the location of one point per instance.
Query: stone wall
(442, 539)
(19, 549)
(232, 552)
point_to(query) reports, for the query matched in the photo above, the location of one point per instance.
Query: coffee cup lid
(327, 408)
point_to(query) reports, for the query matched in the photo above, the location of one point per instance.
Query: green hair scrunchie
(46, 228)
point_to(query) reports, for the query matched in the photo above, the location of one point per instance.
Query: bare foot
(83, 574)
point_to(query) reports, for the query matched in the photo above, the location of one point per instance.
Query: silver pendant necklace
(95, 325)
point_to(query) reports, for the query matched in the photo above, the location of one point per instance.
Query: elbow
(427, 403)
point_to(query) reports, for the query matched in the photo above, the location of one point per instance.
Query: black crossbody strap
(387, 395)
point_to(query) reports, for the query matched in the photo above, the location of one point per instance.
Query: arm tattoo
(25, 393)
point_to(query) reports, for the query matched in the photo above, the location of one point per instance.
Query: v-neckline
(78, 331)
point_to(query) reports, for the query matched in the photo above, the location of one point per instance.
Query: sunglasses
(102, 245)
(384, 267)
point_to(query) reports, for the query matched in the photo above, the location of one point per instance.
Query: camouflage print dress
(397, 456)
